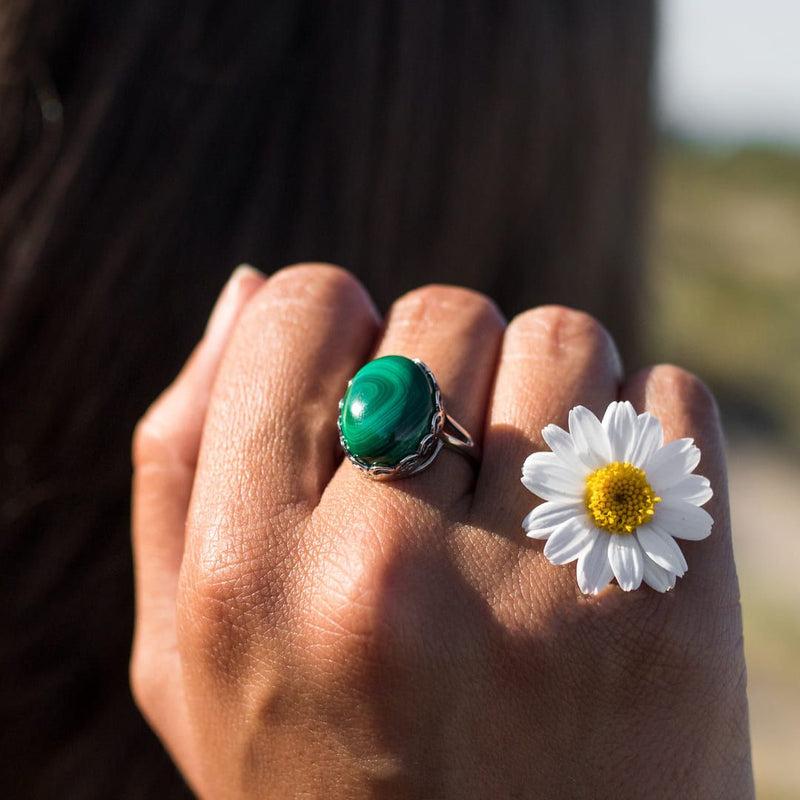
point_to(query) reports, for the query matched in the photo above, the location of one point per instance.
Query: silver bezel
(428, 447)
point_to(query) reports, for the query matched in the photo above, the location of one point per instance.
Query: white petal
(627, 561)
(620, 423)
(540, 522)
(662, 580)
(594, 569)
(651, 437)
(542, 535)
(694, 489)
(682, 520)
(609, 423)
(670, 463)
(661, 548)
(560, 442)
(591, 439)
(569, 540)
(545, 475)
(540, 460)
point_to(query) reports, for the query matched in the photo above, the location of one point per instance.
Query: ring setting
(392, 422)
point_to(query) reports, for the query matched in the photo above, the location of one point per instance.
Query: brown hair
(146, 148)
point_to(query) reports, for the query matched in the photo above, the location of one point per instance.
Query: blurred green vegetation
(725, 293)
(772, 650)
(726, 278)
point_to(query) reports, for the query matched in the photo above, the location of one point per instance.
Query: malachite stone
(386, 411)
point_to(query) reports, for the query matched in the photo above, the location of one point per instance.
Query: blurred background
(725, 256)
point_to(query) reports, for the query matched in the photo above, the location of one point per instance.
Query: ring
(392, 422)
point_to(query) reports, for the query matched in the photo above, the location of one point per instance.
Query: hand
(303, 631)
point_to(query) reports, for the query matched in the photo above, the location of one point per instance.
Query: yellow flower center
(619, 498)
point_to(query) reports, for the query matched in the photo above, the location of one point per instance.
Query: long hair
(146, 148)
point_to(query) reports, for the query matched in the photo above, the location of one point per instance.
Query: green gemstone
(386, 411)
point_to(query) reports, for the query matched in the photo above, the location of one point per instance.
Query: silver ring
(392, 422)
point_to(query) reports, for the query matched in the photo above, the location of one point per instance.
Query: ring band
(392, 422)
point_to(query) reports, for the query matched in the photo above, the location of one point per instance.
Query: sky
(729, 70)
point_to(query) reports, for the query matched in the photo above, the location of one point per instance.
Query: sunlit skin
(303, 631)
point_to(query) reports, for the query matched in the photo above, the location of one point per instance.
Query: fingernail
(241, 286)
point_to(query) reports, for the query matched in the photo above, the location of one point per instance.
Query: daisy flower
(616, 498)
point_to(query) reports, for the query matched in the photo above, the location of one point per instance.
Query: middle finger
(456, 333)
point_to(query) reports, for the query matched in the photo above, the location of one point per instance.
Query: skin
(303, 631)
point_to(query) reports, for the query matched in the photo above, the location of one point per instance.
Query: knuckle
(674, 381)
(294, 295)
(376, 606)
(309, 271)
(341, 619)
(561, 327)
(556, 333)
(434, 302)
(212, 620)
(228, 590)
(220, 595)
(317, 285)
(240, 579)
(678, 657)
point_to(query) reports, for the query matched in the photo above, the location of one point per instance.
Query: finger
(686, 408)
(552, 359)
(698, 624)
(165, 450)
(270, 443)
(456, 333)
